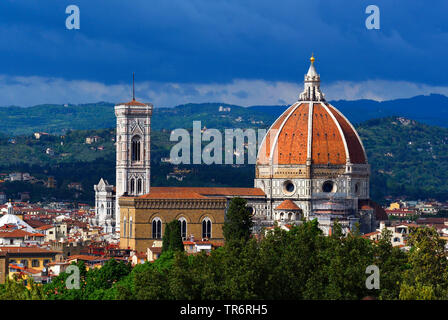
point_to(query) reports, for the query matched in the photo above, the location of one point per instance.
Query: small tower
(312, 91)
(133, 164)
(10, 208)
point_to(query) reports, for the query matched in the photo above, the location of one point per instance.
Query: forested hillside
(432, 110)
(407, 159)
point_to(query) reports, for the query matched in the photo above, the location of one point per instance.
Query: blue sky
(233, 51)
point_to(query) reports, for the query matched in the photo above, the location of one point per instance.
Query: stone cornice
(139, 203)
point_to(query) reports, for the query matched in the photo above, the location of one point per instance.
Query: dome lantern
(312, 90)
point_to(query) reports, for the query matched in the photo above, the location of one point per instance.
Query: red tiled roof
(56, 263)
(330, 131)
(45, 227)
(26, 250)
(199, 192)
(16, 234)
(133, 103)
(37, 235)
(354, 145)
(203, 242)
(370, 234)
(287, 205)
(85, 257)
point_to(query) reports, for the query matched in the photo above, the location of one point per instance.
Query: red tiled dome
(311, 129)
(288, 205)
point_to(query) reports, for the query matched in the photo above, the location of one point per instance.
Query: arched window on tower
(135, 151)
(183, 228)
(124, 227)
(206, 228)
(130, 227)
(157, 228)
(139, 186)
(132, 188)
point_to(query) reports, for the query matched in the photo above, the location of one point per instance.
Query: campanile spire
(312, 90)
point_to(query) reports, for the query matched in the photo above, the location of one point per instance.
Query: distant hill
(432, 110)
(407, 158)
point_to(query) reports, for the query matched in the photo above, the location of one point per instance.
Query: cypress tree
(238, 222)
(172, 238)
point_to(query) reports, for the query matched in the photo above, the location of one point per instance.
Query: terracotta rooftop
(370, 234)
(287, 205)
(26, 250)
(19, 234)
(133, 103)
(45, 227)
(333, 138)
(199, 192)
(85, 257)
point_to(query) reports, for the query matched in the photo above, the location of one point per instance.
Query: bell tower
(133, 142)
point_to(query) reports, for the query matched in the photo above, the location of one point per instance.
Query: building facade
(133, 163)
(4, 262)
(105, 201)
(313, 157)
(311, 165)
(200, 210)
(133, 168)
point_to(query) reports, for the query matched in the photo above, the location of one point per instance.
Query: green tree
(16, 289)
(427, 276)
(238, 223)
(172, 238)
(391, 262)
(95, 284)
(288, 260)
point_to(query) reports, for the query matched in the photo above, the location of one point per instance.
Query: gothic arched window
(132, 186)
(130, 227)
(183, 228)
(139, 186)
(124, 227)
(157, 228)
(135, 151)
(206, 228)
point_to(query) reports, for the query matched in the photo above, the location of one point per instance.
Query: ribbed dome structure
(312, 156)
(311, 131)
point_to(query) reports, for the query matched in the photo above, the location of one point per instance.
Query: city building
(311, 165)
(11, 220)
(3, 266)
(30, 257)
(20, 238)
(105, 201)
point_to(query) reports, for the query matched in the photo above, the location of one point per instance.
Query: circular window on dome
(328, 186)
(288, 187)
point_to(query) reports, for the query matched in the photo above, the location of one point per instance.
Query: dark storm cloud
(205, 41)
